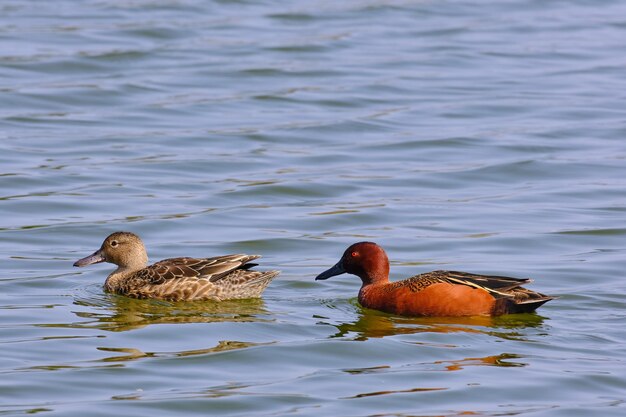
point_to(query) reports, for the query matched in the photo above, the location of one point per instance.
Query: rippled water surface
(469, 135)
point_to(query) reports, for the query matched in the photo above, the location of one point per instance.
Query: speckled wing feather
(211, 269)
(496, 285)
(218, 278)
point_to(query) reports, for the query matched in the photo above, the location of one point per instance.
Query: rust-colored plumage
(176, 279)
(437, 293)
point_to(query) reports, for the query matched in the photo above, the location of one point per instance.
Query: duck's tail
(521, 300)
(242, 283)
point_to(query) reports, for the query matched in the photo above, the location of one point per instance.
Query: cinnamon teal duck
(437, 293)
(176, 279)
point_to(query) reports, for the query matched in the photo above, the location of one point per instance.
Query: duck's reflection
(118, 313)
(503, 360)
(130, 354)
(374, 324)
(448, 365)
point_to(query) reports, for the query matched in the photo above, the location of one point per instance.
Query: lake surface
(468, 135)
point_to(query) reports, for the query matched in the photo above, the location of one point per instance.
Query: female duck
(176, 279)
(437, 293)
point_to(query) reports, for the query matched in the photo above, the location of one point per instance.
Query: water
(461, 135)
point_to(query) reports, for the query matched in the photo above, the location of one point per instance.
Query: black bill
(335, 270)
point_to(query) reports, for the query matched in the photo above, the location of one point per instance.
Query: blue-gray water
(471, 135)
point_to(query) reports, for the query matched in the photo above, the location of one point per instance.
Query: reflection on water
(128, 314)
(375, 393)
(495, 360)
(374, 324)
(501, 360)
(130, 354)
(118, 313)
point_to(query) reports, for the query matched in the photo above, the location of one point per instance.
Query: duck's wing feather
(496, 285)
(491, 282)
(211, 269)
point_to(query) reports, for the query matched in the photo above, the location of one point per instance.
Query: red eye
(354, 254)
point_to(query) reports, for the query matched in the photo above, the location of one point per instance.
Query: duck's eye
(114, 243)
(354, 254)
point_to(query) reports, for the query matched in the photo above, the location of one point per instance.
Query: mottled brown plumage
(437, 293)
(176, 279)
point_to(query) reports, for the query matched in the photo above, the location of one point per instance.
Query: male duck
(176, 279)
(437, 293)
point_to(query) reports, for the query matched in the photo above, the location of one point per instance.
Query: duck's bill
(335, 270)
(94, 258)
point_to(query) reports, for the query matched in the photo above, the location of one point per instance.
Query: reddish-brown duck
(437, 293)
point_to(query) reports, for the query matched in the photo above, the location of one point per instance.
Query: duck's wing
(211, 269)
(490, 282)
(494, 284)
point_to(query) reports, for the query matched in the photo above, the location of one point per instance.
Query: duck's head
(366, 260)
(123, 249)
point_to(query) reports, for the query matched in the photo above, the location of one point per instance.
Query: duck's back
(452, 293)
(185, 279)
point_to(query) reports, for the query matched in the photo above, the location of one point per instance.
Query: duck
(436, 293)
(218, 278)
